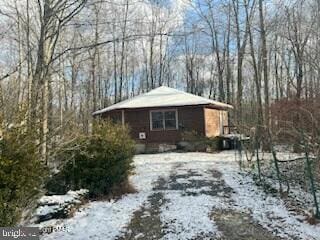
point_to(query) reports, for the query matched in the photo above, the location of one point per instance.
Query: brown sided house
(163, 114)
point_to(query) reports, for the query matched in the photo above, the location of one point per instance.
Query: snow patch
(268, 211)
(187, 217)
(100, 220)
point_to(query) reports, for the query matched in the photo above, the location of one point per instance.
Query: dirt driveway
(189, 196)
(188, 186)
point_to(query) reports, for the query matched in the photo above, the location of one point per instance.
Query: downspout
(122, 117)
(205, 121)
(221, 122)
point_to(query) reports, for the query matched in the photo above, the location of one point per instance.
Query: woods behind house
(61, 60)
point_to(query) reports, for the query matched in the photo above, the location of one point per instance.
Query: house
(163, 114)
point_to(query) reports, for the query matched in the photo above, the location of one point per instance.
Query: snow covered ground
(187, 196)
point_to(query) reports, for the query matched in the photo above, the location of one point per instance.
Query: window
(170, 121)
(115, 118)
(157, 120)
(163, 120)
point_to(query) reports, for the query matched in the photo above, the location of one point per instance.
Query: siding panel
(190, 118)
(214, 121)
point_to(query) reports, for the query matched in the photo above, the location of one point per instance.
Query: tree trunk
(264, 63)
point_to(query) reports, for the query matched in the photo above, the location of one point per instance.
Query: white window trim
(164, 125)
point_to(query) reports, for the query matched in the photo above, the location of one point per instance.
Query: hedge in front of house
(96, 162)
(192, 141)
(21, 175)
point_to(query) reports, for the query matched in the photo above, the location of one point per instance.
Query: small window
(163, 120)
(115, 118)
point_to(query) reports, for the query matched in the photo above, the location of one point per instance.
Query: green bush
(196, 142)
(215, 143)
(97, 162)
(21, 175)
